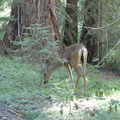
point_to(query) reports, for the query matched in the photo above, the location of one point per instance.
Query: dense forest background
(34, 31)
(93, 23)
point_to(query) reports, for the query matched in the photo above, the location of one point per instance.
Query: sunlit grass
(59, 88)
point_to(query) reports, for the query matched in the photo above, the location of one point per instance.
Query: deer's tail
(84, 56)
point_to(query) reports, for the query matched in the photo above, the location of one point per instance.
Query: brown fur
(73, 56)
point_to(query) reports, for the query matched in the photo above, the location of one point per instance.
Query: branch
(69, 19)
(103, 26)
(13, 112)
(110, 52)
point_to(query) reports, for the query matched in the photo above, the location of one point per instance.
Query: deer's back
(73, 49)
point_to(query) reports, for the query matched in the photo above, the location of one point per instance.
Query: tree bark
(71, 29)
(3, 49)
(27, 14)
(91, 37)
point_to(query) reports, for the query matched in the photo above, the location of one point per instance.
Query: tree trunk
(27, 14)
(71, 29)
(91, 37)
(3, 49)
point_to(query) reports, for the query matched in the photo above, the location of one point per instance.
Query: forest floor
(87, 104)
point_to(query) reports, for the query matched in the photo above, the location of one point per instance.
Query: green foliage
(32, 115)
(111, 112)
(19, 82)
(63, 103)
(110, 35)
(100, 87)
(114, 59)
(39, 43)
(4, 16)
(115, 104)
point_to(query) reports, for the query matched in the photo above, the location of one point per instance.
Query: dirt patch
(8, 113)
(108, 72)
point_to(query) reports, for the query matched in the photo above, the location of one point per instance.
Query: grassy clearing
(63, 103)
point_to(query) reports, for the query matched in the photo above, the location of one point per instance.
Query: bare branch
(110, 52)
(103, 26)
(69, 19)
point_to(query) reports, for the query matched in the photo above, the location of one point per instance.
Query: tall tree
(71, 30)
(90, 36)
(26, 14)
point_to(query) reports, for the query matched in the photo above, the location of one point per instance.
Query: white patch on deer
(80, 54)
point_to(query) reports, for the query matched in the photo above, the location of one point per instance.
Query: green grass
(15, 75)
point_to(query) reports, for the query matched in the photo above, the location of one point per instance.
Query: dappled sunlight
(90, 106)
(22, 88)
(42, 42)
(6, 12)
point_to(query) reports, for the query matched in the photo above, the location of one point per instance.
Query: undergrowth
(19, 87)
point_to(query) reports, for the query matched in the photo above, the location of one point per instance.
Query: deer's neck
(53, 67)
(56, 65)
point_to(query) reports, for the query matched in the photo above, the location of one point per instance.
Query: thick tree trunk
(27, 14)
(3, 49)
(91, 37)
(71, 30)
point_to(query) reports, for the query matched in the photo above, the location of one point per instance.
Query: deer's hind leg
(70, 69)
(84, 65)
(78, 76)
(75, 59)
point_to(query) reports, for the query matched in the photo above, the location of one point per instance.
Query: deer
(75, 56)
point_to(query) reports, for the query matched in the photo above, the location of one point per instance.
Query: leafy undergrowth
(19, 88)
